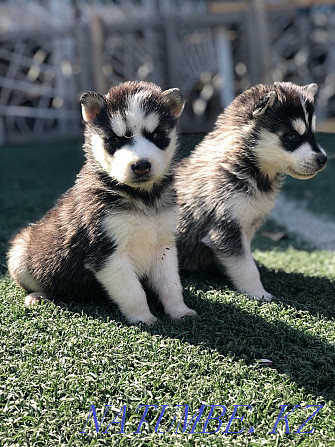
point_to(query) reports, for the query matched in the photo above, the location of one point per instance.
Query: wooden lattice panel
(37, 87)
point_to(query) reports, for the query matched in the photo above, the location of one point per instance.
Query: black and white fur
(115, 228)
(228, 184)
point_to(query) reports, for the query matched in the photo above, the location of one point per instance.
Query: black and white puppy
(228, 184)
(116, 226)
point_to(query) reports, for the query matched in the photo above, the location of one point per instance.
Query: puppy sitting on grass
(227, 186)
(115, 227)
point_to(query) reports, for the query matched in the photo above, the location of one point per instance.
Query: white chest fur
(139, 235)
(250, 211)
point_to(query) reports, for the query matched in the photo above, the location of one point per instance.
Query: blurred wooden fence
(211, 50)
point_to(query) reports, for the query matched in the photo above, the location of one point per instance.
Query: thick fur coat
(227, 186)
(115, 228)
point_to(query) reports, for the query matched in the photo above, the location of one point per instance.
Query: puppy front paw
(178, 312)
(147, 318)
(267, 297)
(261, 295)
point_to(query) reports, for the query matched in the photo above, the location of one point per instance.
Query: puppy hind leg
(34, 299)
(119, 279)
(18, 265)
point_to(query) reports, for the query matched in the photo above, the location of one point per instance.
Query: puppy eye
(292, 136)
(158, 137)
(113, 142)
(114, 139)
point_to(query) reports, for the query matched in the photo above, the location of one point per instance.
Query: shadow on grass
(313, 294)
(305, 359)
(306, 293)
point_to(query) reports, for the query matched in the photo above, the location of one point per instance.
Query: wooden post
(172, 52)
(260, 48)
(84, 50)
(226, 67)
(58, 55)
(97, 36)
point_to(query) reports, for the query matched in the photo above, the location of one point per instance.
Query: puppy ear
(310, 90)
(91, 104)
(268, 101)
(174, 100)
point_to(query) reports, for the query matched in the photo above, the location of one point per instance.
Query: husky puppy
(228, 184)
(116, 226)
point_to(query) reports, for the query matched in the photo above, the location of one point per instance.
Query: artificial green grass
(57, 360)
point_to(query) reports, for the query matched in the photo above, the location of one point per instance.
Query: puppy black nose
(142, 167)
(321, 159)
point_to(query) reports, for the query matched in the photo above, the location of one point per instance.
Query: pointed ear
(174, 100)
(266, 102)
(91, 104)
(310, 90)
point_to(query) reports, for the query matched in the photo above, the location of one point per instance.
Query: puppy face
(285, 126)
(131, 132)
